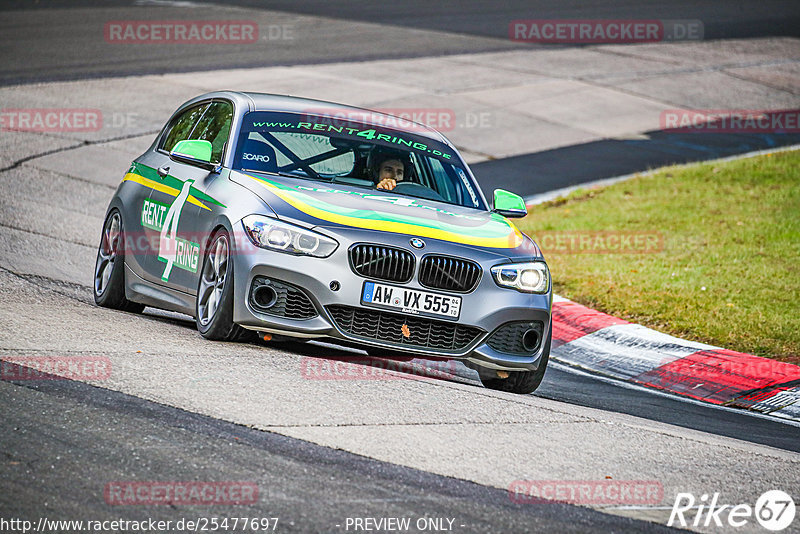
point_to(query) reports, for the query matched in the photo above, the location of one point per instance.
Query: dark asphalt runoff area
(548, 170)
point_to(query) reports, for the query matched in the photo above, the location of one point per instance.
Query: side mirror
(194, 152)
(508, 204)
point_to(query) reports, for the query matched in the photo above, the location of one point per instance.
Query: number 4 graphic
(168, 243)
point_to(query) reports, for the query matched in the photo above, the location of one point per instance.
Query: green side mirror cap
(508, 204)
(192, 150)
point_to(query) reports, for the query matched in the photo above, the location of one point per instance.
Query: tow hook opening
(530, 340)
(264, 297)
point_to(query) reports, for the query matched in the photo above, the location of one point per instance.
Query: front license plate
(411, 301)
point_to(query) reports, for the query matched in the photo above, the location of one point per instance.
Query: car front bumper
(488, 307)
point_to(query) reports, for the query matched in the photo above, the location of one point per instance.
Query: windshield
(341, 151)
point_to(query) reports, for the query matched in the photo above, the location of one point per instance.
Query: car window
(208, 122)
(214, 126)
(445, 186)
(181, 126)
(324, 148)
(304, 147)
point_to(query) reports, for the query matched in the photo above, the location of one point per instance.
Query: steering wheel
(417, 190)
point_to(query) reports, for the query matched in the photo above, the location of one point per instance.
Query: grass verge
(709, 252)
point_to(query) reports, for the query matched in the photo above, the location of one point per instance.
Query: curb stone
(601, 343)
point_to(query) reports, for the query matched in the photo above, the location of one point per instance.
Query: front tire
(522, 382)
(214, 307)
(109, 268)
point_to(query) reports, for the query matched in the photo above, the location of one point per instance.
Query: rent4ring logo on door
(164, 218)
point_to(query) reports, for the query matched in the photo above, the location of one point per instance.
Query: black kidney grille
(451, 274)
(386, 326)
(383, 263)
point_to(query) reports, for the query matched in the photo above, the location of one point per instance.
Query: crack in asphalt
(40, 234)
(689, 70)
(81, 144)
(47, 283)
(78, 179)
(597, 80)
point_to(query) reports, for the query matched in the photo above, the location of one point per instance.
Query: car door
(184, 210)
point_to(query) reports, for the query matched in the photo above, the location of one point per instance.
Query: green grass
(728, 273)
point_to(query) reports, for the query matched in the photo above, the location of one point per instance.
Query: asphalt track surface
(64, 38)
(61, 440)
(309, 488)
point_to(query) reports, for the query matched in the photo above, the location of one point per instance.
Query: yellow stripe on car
(139, 179)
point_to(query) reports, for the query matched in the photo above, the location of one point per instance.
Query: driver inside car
(387, 171)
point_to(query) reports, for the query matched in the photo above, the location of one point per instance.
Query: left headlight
(533, 277)
(272, 234)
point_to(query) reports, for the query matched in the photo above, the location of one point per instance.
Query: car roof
(288, 103)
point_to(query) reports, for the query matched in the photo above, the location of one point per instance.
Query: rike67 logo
(774, 510)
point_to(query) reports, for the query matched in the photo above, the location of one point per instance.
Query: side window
(181, 127)
(209, 122)
(215, 126)
(444, 184)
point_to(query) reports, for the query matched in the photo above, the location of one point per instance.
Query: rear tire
(522, 382)
(109, 268)
(214, 304)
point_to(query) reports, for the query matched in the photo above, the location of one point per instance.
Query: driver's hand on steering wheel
(387, 183)
(390, 172)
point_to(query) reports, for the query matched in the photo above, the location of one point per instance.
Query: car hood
(312, 203)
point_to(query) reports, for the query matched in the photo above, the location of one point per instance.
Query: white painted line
(637, 387)
(166, 3)
(556, 193)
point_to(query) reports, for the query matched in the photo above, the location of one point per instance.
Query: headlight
(531, 277)
(269, 233)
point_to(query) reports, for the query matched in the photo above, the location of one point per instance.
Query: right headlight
(532, 277)
(269, 233)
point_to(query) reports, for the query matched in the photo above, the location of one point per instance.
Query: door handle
(163, 171)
